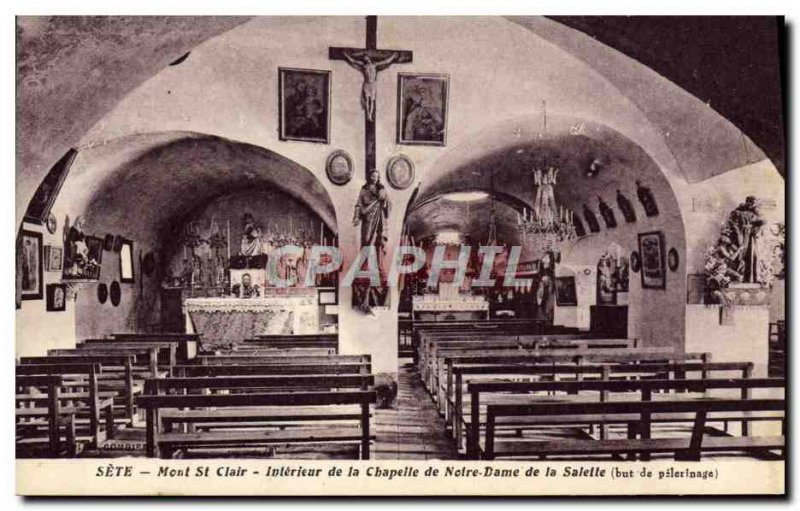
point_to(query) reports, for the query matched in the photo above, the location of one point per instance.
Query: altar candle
(321, 233)
(229, 240)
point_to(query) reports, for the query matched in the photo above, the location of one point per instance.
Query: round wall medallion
(636, 262)
(102, 292)
(672, 259)
(115, 293)
(52, 223)
(400, 172)
(339, 167)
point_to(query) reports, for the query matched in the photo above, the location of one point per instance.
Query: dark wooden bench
(274, 369)
(638, 415)
(442, 380)
(467, 374)
(39, 404)
(187, 343)
(296, 341)
(624, 390)
(256, 351)
(167, 355)
(145, 360)
(281, 359)
(118, 373)
(162, 443)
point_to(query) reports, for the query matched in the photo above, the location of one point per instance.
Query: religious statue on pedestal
(371, 210)
(251, 237)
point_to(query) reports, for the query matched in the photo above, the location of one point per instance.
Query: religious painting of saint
(29, 265)
(248, 283)
(422, 109)
(566, 294)
(53, 258)
(651, 249)
(304, 104)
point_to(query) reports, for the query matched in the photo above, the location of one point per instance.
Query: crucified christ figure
(369, 91)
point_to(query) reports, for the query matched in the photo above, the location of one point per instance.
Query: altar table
(223, 322)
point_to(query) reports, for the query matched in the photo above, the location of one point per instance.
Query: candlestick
(229, 240)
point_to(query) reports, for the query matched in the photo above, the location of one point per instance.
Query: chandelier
(547, 223)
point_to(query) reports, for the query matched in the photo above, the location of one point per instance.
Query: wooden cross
(370, 61)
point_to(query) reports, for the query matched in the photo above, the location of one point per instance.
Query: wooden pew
(167, 350)
(165, 443)
(81, 398)
(54, 416)
(144, 359)
(432, 346)
(254, 351)
(469, 374)
(281, 359)
(296, 341)
(361, 368)
(642, 391)
(187, 343)
(118, 373)
(441, 381)
(205, 419)
(637, 414)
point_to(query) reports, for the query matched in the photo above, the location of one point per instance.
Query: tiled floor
(413, 430)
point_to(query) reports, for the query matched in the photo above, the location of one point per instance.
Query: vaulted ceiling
(73, 70)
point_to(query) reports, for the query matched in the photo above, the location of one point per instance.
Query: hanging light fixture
(548, 224)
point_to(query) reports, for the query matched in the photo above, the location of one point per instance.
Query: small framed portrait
(339, 167)
(30, 268)
(126, 262)
(304, 104)
(248, 283)
(53, 258)
(651, 248)
(566, 294)
(108, 242)
(422, 108)
(636, 262)
(95, 247)
(56, 297)
(400, 172)
(52, 223)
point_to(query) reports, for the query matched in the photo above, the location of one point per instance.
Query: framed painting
(39, 207)
(651, 250)
(30, 265)
(304, 104)
(56, 297)
(53, 258)
(566, 294)
(126, 262)
(422, 108)
(400, 172)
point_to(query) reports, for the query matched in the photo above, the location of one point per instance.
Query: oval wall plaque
(102, 292)
(115, 293)
(339, 167)
(400, 172)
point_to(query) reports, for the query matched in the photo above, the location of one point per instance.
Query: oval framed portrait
(673, 259)
(102, 292)
(117, 245)
(52, 223)
(400, 172)
(108, 242)
(115, 293)
(149, 263)
(339, 167)
(636, 261)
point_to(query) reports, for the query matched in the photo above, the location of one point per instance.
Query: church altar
(226, 321)
(431, 307)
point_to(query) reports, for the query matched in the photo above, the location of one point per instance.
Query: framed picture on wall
(53, 258)
(30, 265)
(126, 262)
(566, 294)
(56, 297)
(304, 104)
(422, 108)
(651, 250)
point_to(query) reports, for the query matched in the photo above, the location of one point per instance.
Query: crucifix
(370, 61)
